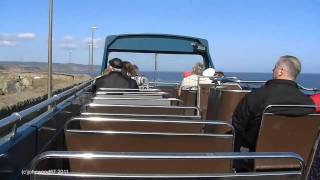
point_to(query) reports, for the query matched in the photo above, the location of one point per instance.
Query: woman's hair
(197, 68)
(134, 70)
(126, 68)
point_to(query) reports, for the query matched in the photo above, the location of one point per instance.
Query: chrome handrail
(131, 105)
(289, 106)
(168, 121)
(169, 155)
(135, 98)
(132, 92)
(141, 106)
(163, 156)
(17, 116)
(139, 115)
(125, 89)
(164, 83)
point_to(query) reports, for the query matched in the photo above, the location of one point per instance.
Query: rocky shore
(19, 87)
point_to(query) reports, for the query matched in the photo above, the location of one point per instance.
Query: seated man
(115, 78)
(282, 89)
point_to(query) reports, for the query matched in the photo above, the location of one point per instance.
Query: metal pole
(92, 45)
(89, 50)
(50, 51)
(155, 68)
(198, 96)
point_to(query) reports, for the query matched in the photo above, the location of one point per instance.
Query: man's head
(115, 64)
(287, 67)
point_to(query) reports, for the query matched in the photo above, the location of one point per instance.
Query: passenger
(281, 90)
(134, 70)
(219, 74)
(186, 74)
(115, 77)
(126, 68)
(217, 77)
(191, 82)
(140, 79)
(210, 72)
(316, 100)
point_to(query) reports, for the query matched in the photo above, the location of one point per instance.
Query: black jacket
(115, 80)
(247, 116)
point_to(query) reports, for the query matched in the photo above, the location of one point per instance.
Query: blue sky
(244, 35)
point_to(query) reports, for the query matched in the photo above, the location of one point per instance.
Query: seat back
(283, 133)
(188, 97)
(204, 95)
(163, 136)
(204, 92)
(136, 109)
(222, 103)
(102, 165)
(172, 91)
(148, 142)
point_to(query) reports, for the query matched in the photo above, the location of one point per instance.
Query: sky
(243, 35)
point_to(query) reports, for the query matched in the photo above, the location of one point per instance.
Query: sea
(307, 80)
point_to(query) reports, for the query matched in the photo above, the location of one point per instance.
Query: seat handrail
(135, 98)
(163, 83)
(169, 156)
(125, 89)
(289, 106)
(173, 121)
(141, 106)
(149, 106)
(126, 93)
(142, 133)
(101, 119)
(140, 115)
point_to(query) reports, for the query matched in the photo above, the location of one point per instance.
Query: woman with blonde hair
(191, 82)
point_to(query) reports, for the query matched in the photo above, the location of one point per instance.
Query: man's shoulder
(258, 91)
(101, 77)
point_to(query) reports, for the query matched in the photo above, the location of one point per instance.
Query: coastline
(20, 89)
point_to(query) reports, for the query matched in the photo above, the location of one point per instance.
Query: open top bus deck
(152, 133)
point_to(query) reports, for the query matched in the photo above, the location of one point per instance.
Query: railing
(15, 117)
(289, 106)
(162, 156)
(123, 89)
(155, 84)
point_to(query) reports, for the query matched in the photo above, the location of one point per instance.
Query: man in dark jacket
(115, 78)
(282, 90)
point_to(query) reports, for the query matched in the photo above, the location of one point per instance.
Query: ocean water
(306, 80)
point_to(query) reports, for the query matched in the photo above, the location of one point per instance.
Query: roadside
(21, 87)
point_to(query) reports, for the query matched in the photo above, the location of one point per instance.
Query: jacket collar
(281, 82)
